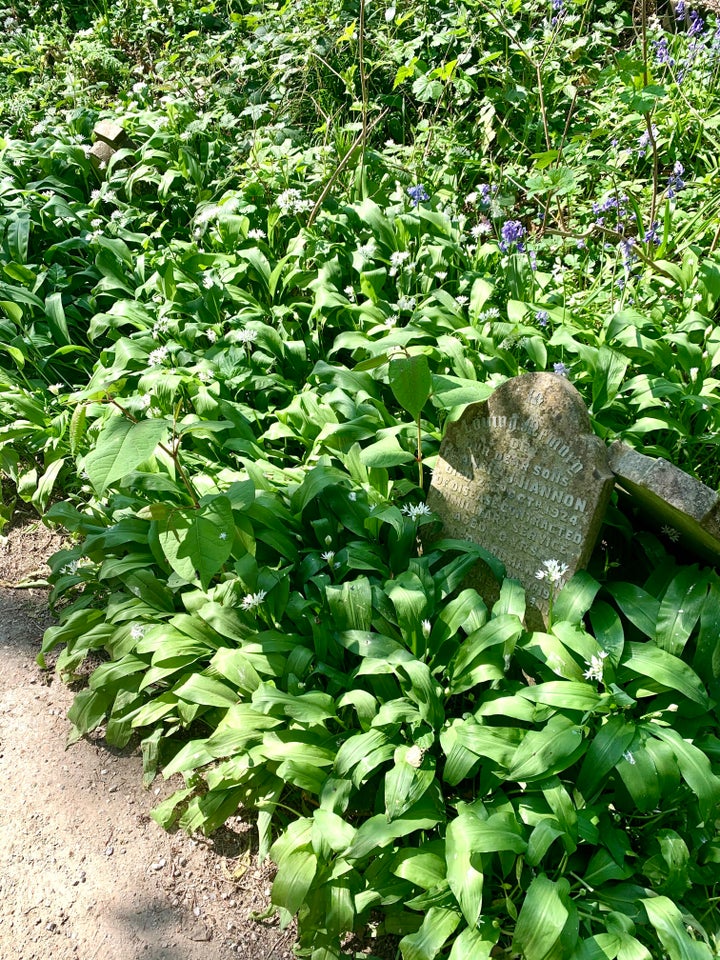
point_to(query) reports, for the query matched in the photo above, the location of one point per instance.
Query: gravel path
(84, 873)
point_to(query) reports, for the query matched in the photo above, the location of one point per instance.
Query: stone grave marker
(683, 508)
(523, 475)
(109, 138)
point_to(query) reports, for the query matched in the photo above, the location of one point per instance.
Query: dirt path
(84, 873)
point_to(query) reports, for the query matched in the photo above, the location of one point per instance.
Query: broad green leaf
(56, 319)
(121, 447)
(650, 661)
(550, 750)
(695, 769)
(406, 782)
(385, 452)
(680, 610)
(350, 604)
(466, 742)
(606, 749)
(439, 924)
(236, 667)
(640, 777)
(421, 866)
(466, 880)
(677, 860)
(410, 382)
(511, 600)
(46, 484)
(471, 944)
(295, 874)
(544, 834)
(408, 596)
(376, 832)
(638, 606)
(206, 691)
(500, 630)
(88, 710)
(449, 392)
(542, 918)
(608, 629)
(576, 597)
(356, 747)
(706, 661)
(331, 830)
(610, 368)
(198, 542)
(632, 949)
(669, 925)
(568, 695)
(309, 708)
(603, 946)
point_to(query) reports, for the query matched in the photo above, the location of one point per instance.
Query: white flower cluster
(157, 356)
(397, 259)
(416, 510)
(252, 601)
(554, 571)
(162, 325)
(292, 201)
(595, 666)
(244, 336)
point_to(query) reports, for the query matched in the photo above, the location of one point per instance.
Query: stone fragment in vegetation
(682, 508)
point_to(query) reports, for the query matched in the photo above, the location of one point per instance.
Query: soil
(85, 874)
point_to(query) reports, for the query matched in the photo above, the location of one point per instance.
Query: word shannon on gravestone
(523, 476)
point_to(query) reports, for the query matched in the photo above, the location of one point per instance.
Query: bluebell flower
(542, 317)
(417, 194)
(511, 233)
(652, 234)
(560, 369)
(675, 180)
(662, 53)
(628, 254)
(645, 140)
(680, 10)
(697, 24)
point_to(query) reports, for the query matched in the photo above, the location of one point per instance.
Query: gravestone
(523, 475)
(683, 508)
(109, 138)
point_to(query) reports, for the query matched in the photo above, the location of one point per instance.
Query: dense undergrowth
(226, 362)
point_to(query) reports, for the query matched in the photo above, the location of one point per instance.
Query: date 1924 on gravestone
(523, 475)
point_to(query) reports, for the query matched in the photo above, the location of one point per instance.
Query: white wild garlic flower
(554, 571)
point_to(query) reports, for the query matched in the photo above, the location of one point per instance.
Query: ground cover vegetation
(227, 357)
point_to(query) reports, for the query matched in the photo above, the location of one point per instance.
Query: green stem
(419, 456)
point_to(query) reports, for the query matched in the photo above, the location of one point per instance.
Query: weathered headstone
(109, 138)
(523, 475)
(683, 508)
